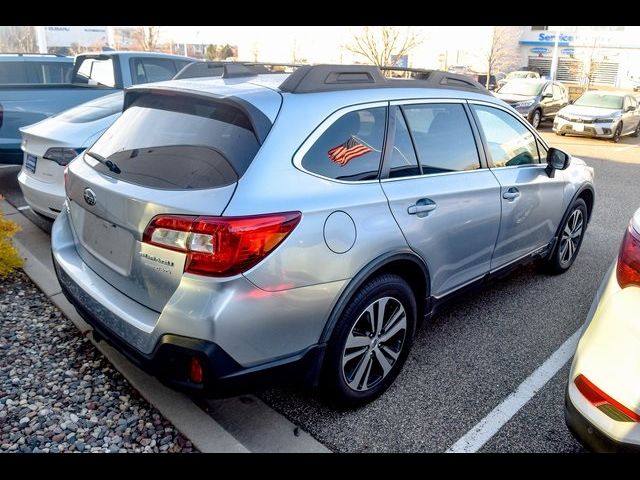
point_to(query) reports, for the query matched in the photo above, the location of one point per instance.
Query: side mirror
(557, 160)
(630, 108)
(547, 95)
(570, 102)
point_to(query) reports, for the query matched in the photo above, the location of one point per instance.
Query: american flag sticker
(343, 154)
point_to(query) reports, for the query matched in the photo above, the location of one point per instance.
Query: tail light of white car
(221, 246)
(603, 402)
(62, 156)
(628, 272)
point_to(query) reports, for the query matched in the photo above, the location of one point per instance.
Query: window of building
(539, 28)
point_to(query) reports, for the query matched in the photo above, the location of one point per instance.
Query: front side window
(351, 148)
(557, 93)
(510, 143)
(443, 137)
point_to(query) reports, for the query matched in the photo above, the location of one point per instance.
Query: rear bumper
(243, 335)
(589, 435)
(223, 376)
(45, 198)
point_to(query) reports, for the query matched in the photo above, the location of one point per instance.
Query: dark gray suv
(535, 99)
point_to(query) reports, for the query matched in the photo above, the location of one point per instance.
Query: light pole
(554, 60)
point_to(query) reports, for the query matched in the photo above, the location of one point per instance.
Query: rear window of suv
(177, 142)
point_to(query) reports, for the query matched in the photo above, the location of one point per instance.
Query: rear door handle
(511, 194)
(422, 207)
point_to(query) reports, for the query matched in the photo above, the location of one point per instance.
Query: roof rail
(225, 69)
(323, 78)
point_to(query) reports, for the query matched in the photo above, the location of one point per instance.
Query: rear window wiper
(108, 163)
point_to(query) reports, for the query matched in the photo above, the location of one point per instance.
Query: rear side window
(147, 70)
(94, 71)
(443, 137)
(35, 72)
(404, 162)
(351, 148)
(177, 142)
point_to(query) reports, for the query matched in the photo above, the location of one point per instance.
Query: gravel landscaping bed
(59, 394)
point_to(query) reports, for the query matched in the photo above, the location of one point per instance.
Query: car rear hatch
(170, 152)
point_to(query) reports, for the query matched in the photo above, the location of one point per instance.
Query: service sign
(65, 36)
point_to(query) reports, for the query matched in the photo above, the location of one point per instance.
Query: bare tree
(502, 52)
(147, 38)
(382, 46)
(18, 39)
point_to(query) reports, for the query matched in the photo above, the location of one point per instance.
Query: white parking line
(486, 428)
(24, 207)
(626, 147)
(10, 166)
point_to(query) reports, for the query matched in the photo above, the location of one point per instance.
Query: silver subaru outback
(228, 232)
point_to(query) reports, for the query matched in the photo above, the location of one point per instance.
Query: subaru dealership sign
(65, 36)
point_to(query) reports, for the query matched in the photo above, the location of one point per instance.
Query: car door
(547, 100)
(629, 114)
(558, 99)
(445, 202)
(531, 200)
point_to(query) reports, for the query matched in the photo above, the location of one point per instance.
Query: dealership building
(609, 55)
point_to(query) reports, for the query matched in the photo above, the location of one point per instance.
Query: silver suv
(227, 231)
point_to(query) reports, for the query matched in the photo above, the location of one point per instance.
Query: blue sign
(544, 37)
(568, 51)
(540, 50)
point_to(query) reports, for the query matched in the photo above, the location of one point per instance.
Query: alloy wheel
(535, 121)
(374, 344)
(616, 134)
(571, 235)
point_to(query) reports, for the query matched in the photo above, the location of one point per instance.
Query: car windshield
(599, 100)
(522, 88)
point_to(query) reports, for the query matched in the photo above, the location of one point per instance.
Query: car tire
(568, 244)
(355, 375)
(617, 133)
(636, 132)
(536, 118)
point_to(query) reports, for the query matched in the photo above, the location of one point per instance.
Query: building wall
(609, 55)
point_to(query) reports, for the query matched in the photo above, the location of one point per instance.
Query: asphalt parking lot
(480, 349)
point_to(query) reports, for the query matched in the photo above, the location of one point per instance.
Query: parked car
(602, 402)
(535, 99)
(600, 114)
(519, 74)
(93, 76)
(482, 80)
(51, 144)
(222, 232)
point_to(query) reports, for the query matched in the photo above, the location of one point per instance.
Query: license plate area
(578, 127)
(30, 162)
(109, 243)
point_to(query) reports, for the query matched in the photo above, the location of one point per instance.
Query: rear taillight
(62, 156)
(221, 246)
(605, 403)
(628, 271)
(1, 115)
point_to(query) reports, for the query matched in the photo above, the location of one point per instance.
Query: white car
(51, 144)
(602, 403)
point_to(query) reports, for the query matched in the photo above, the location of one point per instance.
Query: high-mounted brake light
(605, 403)
(628, 271)
(221, 246)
